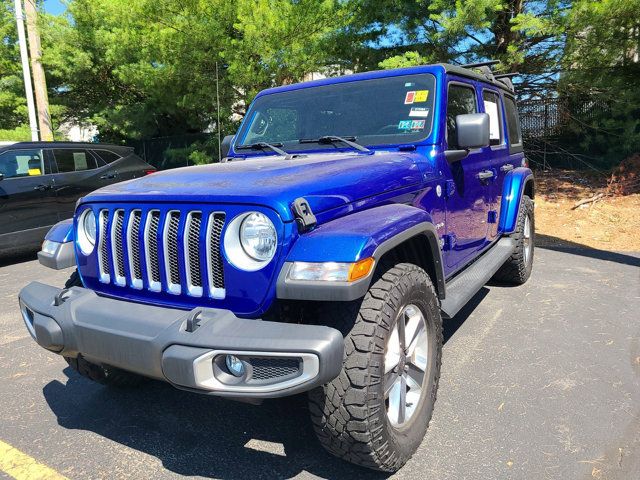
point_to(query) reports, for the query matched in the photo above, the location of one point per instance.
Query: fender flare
(515, 183)
(60, 251)
(368, 233)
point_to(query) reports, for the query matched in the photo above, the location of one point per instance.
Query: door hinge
(493, 216)
(449, 188)
(303, 214)
(449, 241)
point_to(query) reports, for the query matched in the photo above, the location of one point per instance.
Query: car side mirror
(225, 146)
(472, 131)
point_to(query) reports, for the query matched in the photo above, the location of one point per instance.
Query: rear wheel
(517, 269)
(104, 374)
(376, 412)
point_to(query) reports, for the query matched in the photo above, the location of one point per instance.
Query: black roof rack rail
(487, 63)
(506, 75)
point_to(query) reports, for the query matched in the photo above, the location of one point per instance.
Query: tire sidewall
(406, 439)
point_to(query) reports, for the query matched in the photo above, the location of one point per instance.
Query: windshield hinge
(305, 218)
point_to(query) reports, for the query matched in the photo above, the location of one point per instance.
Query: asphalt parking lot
(540, 381)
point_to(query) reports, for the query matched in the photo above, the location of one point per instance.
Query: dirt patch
(608, 223)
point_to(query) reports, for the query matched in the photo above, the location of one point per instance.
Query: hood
(326, 180)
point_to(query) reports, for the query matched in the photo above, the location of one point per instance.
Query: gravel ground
(540, 381)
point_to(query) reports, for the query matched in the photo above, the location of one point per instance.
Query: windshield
(388, 110)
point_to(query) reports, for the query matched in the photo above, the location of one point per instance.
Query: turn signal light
(360, 269)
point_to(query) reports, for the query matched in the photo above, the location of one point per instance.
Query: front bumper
(186, 349)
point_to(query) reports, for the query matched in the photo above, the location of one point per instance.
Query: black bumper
(182, 348)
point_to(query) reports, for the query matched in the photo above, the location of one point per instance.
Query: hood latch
(303, 214)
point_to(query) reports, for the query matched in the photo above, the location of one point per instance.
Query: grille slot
(270, 368)
(170, 241)
(103, 257)
(117, 251)
(133, 243)
(192, 253)
(216, 273)
(151, 250)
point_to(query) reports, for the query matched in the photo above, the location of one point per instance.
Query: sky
(55, 7)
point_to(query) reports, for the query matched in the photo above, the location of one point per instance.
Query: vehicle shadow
(549, 242)
(199, 435)
(12, 258)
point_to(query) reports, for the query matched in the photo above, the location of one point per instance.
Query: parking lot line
(23, 467)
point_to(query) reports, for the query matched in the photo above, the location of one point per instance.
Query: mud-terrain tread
(105, 375)
(515, 271)
(344, 412)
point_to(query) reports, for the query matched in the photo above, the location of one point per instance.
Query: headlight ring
(250, 241)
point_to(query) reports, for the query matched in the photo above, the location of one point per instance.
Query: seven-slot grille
(132, 245)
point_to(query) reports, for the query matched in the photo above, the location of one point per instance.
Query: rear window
(107, 156)
(513, 124)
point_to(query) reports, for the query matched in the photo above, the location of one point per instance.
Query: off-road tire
(103, 374)
(349, 414)
(517, 269)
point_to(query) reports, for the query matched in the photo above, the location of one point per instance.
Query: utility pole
(28, 89)
(39, 80)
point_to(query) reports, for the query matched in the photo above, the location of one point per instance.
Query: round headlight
(87, 231)
(258, 237)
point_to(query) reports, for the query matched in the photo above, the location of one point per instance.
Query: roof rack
(488, 63)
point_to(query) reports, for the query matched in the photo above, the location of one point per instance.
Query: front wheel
(376, 412)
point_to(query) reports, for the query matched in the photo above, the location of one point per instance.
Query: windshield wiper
(262, 146)
(330, 139)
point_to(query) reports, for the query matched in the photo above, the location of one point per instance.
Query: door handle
(507, 167)
(42, 187)
(485, 175)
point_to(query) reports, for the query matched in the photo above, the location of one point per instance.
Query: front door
(467, 207)
(27, 202)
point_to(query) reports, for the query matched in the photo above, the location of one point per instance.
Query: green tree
(13, 109)
(602, 71)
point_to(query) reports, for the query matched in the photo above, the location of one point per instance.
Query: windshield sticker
(404, 125)
(421, 96)
(419, 112)
(409, 97)
(418, 124)
(409, 84)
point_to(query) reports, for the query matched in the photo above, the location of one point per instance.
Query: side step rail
(465, 285)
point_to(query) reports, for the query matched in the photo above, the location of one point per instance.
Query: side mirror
(225, 146)
(473, 130)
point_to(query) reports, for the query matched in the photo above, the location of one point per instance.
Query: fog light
(235, 365)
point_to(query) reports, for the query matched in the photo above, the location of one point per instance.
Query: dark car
(40, 183)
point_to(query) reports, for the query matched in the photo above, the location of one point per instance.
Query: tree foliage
(148, 68)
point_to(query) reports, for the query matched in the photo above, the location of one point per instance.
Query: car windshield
(389, 110)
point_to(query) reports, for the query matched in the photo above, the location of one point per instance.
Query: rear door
(27, 199)
(467, 208)
(497, 153)
(79, 172)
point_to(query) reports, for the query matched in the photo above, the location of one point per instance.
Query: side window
(513, 124)
(107, 156)
(492, 108)
(73, 160)
(22, 163)
(461, 100)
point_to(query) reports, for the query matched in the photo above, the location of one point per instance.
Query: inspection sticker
(421, 96)
(419, 112)
(404, 125)
(409, 97)
(417, 124)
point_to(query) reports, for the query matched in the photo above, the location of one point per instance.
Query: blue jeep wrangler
(349, 217)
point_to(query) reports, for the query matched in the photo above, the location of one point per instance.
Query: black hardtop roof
(95, 146)
(475, 75)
